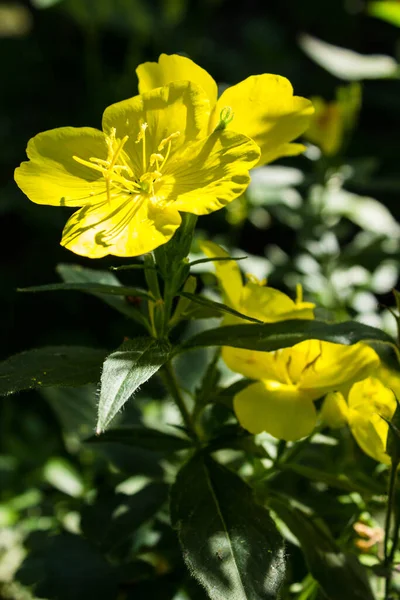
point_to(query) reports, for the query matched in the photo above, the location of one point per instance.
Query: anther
(168, 139)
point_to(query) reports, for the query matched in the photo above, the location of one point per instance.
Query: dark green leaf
(217, 306)
(115, 518)
(50, 366)
(229, 542)
(200, 261)
(272, 336)
(143, 437)
(92, 288)
(75, 274)
(124, 371)
(339, 481)
(67, 567)
(339, 574)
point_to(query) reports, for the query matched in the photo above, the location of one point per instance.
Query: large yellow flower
(154, 158)
(367, 402)
(263, 106)
(290, 380)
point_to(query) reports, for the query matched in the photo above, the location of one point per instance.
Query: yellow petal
(177, 107)
(210, 173)
(252, 364)
(53, 177)
(281, 411)
(336, 365)
(326, 129)
(266, 110)
(270, 305)
(129, 226)
(371, 396)
(370, 433)
(227, 271)
(334, 411)
(175, 68)
(390, 378)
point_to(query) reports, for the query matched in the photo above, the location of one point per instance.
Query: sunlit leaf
(229, 542)
(347, 64)
(387, 11)
(124, 371)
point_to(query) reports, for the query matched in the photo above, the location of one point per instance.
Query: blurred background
(327, 219)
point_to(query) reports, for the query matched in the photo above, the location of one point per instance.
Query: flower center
(116, 169)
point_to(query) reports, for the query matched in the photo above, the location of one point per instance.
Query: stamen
(167, 140)
(142, 138)
(154, 158)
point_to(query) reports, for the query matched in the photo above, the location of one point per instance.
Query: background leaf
(339, 573)
(124, 371)
(50, 366)
(75, 274)
(229, 542)
(67, 567)
(347, 64)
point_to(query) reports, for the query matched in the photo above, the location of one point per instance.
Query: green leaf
(138, 436)
(50, 366)
(66, 567)
(386, 10)
(339, 481)
(124, 371)
(114, 518)
(75, 274)
(272, 336)
(217, 306)
(347, 64)
(339, 574)
(201, 261)
(92, 288)
(230, 543)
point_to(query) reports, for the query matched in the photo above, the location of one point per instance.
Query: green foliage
(272, 336)
(54, 365)
(124, 371)
(229, 543)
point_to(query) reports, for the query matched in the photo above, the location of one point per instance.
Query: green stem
(173, 387)
(389, 556)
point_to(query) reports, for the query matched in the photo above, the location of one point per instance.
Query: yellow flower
(262, 106)
(254, 299)
(332, 120)
(290, 380)
(154, 158)
(367, 402)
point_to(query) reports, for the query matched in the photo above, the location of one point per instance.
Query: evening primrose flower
(370, 404)
(262, 106)
(332, 121)
(290, 380)
(154, 159)
(254, 298)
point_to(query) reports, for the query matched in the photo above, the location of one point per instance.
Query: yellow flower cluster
(281, 401)
(173, 148)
